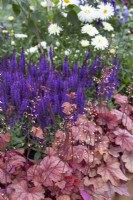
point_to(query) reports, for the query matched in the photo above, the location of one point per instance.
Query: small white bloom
(13, 43)
(67, 52)
(44, 4)
(89, 29)
(113, 35)
(64, 14)
(20, 36)
(32, 50)
(113, 51)
(4, 31)
(43, 45)
(107, 26)
(54, 29)
(100, 42)
(87, 13)
(105, 11)
(57, 43)
(84, 43)
(31, 8)
(10, 18)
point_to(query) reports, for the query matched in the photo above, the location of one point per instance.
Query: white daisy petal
(20, 36)
(84, 43)
(89, 29)
(107, 26)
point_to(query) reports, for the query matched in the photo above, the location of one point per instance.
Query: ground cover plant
(66, 99)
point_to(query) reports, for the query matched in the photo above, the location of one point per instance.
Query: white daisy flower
(105, 11)
(107, 26)
(43, 45)
(89, 29)
(84, 43)
(32, 50)
(54, 29)
(100, 42)
(20, 36)
(87, 13)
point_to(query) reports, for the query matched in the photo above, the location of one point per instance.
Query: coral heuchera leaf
(22, 192)
(124, 139)
(110, 171)
(127, 157)
(53, 169)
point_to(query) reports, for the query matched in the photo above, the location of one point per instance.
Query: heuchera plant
(88, 160)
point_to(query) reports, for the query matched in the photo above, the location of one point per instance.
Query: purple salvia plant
(41, 90)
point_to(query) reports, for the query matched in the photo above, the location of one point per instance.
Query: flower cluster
(123, 14)
(88, 159)
(108, 82)
(88, 14)
(40, 90)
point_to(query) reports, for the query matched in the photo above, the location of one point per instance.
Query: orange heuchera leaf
(127, 157)
(110, 171)
(127, 122)
(4, 175)
(124, 139)
(22, 192)
(63, 197)
(121, 99)
(108, 119)
(4, 138)
(3, 196)
(53, 169)
(7, 137)
(37, 132)
(14, 161)
(34, 174)
(117, 113)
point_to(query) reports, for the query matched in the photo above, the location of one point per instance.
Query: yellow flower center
(105, 11)
(66, 1)
(87, 11)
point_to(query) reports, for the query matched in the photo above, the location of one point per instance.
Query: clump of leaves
(89, 157)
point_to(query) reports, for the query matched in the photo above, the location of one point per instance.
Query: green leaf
(37, 156)
(50, 15)
(55, 1)
(36, 15)
(31, 25)
(76, 9)
(16, 9)
(72, 17)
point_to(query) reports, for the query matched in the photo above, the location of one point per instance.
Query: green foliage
(18, 137)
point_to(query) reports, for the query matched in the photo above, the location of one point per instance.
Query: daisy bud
(10, 18)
